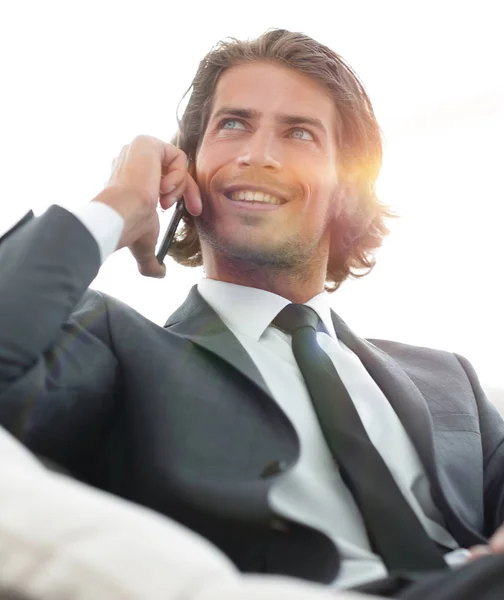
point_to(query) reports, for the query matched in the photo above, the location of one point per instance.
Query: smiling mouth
(253, 197)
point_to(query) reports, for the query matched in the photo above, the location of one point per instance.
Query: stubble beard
(294, 256)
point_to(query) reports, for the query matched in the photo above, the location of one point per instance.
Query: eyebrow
(284, 119)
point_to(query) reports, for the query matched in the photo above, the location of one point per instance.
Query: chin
(253, 252)
(248, 246)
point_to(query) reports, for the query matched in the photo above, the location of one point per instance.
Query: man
(294, 446)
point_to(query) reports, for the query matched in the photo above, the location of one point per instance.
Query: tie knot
(295, 316)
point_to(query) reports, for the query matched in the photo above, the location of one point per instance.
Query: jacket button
(274, 468)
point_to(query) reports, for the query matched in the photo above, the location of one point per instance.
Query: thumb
(147, 263)
(143, 250)
(150, 267)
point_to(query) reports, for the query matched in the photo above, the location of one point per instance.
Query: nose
(260, 151)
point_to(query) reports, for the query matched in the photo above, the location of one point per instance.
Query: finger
(187, 188)
(170, 193)
(497, 542)
(173, 159)
(192, 197)
(173, 180)
(167, 200)
(120, 157)
(147, 263)
(152, 268)
(479, 551)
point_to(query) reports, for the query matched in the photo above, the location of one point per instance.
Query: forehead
(272, 88)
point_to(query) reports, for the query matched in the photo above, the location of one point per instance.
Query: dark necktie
(394, 531)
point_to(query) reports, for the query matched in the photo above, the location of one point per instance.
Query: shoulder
(401, 349)
(93, 301)
(110, 319)
(97, 311)
(445, 378)
(419, 359)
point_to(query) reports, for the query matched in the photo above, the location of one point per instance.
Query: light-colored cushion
(61, 540)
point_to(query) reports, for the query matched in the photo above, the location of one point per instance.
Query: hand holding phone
(146, 173)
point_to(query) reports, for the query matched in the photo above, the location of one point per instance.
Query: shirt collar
(250, 310)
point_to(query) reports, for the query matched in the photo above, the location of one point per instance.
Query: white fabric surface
(61, 540)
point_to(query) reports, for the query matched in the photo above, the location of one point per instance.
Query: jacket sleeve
(492, 439)
(58, 372)
(28, 217)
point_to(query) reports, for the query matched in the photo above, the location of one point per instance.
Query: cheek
(209, 161)
(323, 193)
(319, 173)
(201, 163)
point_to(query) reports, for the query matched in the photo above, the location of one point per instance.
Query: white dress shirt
(312, 492)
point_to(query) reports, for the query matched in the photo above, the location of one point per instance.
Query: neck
(298, 287)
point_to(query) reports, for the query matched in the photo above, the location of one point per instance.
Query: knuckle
(178, 175)
(142, 138)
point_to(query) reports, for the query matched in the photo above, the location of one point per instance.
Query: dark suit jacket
(179, 418)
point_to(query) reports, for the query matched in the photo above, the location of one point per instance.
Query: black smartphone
(170, 232)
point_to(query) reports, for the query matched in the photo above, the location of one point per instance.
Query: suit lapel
(400, 391)
(411, 408)
(196, 321)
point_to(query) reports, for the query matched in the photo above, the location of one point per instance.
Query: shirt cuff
(103, 222)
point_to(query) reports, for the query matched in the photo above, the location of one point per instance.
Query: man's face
(271, 132)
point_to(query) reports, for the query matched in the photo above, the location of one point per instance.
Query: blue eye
(228, 124)
(301, 131)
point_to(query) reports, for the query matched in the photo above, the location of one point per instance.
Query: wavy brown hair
(360, 228)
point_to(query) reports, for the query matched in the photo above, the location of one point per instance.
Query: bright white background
(79, 80)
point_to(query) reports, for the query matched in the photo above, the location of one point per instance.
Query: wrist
(125, 202)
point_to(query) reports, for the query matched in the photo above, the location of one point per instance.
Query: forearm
(45, 267)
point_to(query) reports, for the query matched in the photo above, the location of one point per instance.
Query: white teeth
(250, 196)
